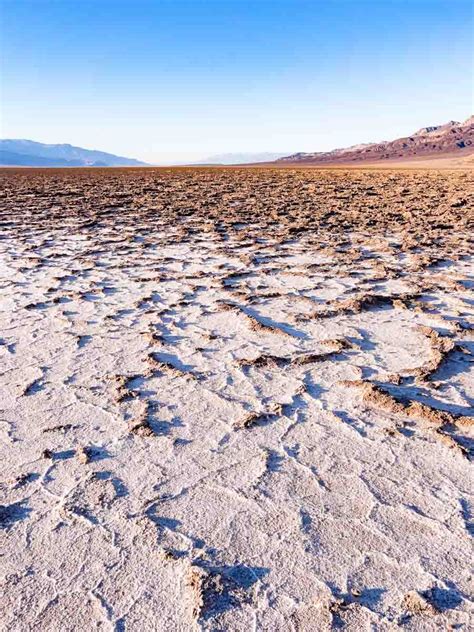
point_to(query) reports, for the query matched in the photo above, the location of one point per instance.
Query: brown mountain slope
(451, 139)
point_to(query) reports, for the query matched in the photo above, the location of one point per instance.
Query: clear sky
(179, 80)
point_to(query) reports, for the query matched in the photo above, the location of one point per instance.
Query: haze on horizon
(179, 81)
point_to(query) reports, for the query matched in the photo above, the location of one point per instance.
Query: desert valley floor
(236, 399)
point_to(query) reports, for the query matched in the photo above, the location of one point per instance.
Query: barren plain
(236, 399)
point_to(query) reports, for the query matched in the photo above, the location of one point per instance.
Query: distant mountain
(240, 159)
(450, 139)
(28, 153)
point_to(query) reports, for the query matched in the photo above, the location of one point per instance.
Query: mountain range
(451, 139)
(242, 158)
(28, 153)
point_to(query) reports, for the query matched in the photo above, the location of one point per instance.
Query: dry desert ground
(236, 399)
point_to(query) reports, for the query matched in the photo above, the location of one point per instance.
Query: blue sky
(179, 80)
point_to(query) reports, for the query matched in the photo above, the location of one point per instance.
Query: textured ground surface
(236, 400)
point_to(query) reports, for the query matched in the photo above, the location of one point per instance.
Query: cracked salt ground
(215, 421)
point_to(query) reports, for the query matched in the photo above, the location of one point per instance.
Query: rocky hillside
(453, 138)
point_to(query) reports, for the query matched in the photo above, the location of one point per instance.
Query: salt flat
(236, 399)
